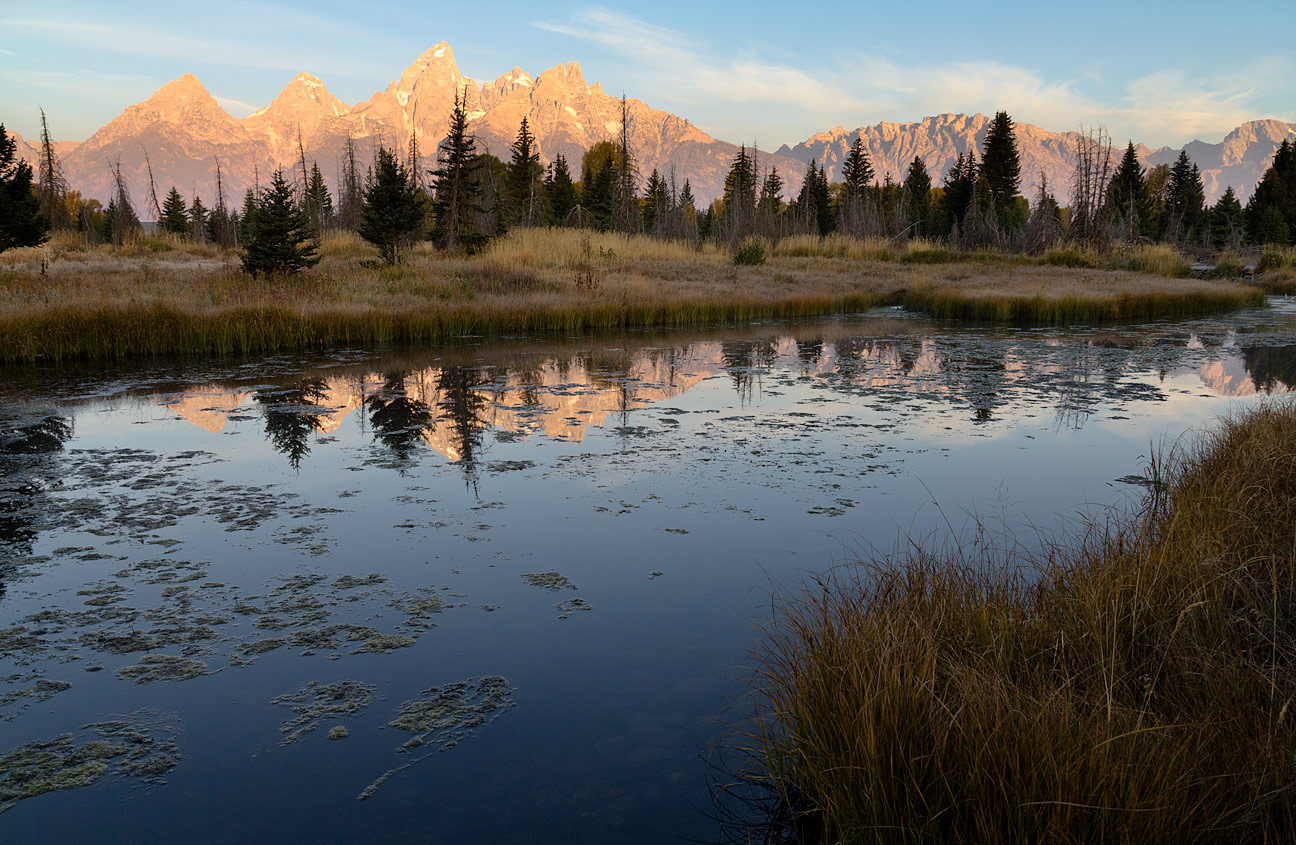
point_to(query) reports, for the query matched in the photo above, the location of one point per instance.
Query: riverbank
(66, 300)
(1134, 685)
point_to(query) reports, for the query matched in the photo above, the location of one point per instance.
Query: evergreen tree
(598, 182)
(814, 211)
(739, 201)
(1128, 199)
(247, 218)
(1001, 168)
(656, 201)
(198, 220)
(688, 204)
(857, 170)
(109, 218)
(21, 221)
(960, 186)
(1185, 200)
(393, 207)
(560, 191)
(456, 191)
(917, 193)
(1271, 211)
(523, 183)
(1227, 222)
(281, 240)
(318, 199)
(175, 214)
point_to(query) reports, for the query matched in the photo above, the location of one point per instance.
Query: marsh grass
(67, 299)
(1133, 684)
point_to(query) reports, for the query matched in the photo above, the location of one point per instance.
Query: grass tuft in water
(1135, 685)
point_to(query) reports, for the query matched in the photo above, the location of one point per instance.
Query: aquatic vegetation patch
(383, 643)
(442, 717)
(319, 701)
(567, 607)
(553, 581)
(42, 689)
(162, 667)
(128, 747)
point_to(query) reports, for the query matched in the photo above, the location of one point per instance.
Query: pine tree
(247, 218)
(656, 201)
(198, 220)
(625, 209)
(1226, 220)
(739, 200)
(1185, 200)
(1271, 211)
(393, 207)
(281, 240)
(21, 221)
(523, 184)
(456, 191)
(318, 199)
(598, 183)
(109, 218)
(960, 185)
(917, 192)
(1128, 199)
(175, 214)
(857, 170)
(560, 191)
(1001, 168)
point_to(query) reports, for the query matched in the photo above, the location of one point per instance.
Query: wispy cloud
(237, 108)
(1167, 106)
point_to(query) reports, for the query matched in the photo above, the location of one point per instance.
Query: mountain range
(184, 132)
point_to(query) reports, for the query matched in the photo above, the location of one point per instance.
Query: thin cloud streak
(1163, 107)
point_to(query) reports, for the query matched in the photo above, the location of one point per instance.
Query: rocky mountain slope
(184, 133)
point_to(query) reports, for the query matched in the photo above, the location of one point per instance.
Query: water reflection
(448, 405)
(399, 421)
(27, 438)
(292, 415)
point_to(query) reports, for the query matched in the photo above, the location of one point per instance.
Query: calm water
(524, 575)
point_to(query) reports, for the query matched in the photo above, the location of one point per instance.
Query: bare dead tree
(1043, 228)
(155, 207)
(1090, 213)
(125, 221)
(350, 188)
(53, 187)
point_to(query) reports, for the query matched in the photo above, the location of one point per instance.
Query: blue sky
(1161, 73)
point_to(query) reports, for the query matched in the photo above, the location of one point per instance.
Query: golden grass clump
(1136, 685)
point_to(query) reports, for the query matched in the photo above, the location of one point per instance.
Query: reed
(1132, 684)
(68, 299)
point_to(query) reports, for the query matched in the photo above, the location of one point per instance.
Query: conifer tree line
(462, 196)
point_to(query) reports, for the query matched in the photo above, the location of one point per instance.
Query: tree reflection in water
(292, 415)
(26, 439)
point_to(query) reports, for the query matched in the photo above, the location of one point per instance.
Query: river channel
(506, 589)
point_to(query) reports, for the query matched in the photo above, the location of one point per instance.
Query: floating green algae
(318, 701)
(384, 643)
(338, 732)
(548, 580)
(442, 717)
(162, 667)
(126, 747)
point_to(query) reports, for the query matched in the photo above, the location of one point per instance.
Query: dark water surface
(524, 575)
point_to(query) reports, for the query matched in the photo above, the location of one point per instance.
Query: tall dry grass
(162, 296)
(1135, 685)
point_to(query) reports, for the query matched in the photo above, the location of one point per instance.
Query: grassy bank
(162, 296)
(1136, 685)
